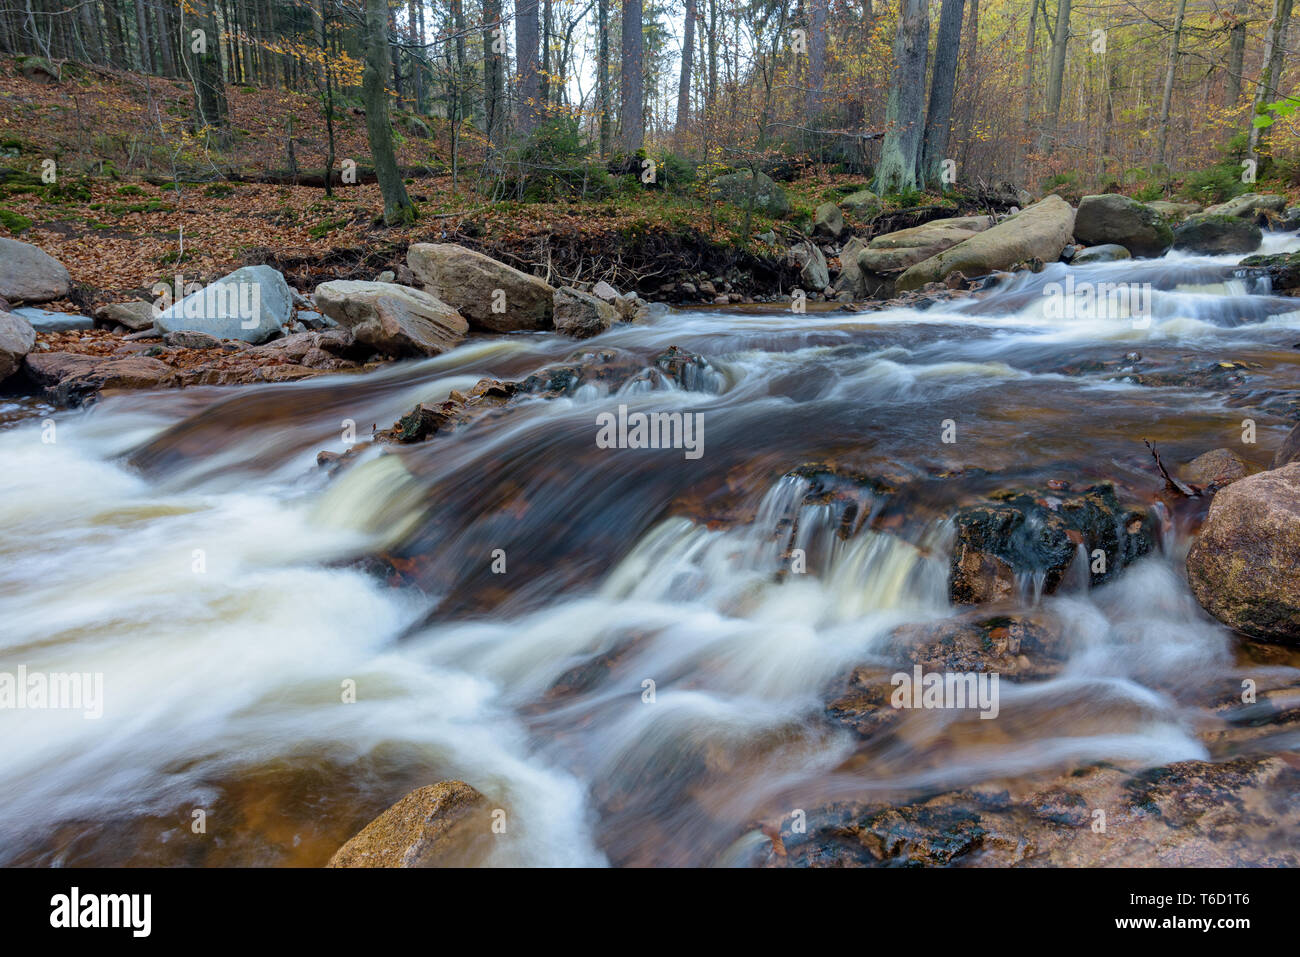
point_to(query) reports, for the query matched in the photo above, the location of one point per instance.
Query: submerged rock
(1024, 540)
(443, 825)
(1281, 269)
(1244, 567)
(1106, 253)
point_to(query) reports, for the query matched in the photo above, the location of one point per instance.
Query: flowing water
(186, 546)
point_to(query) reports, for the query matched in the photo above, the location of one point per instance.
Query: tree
(1270, 76)
(684, 81)
(398, 208)
(602, 72)
(901, 150)
(1055, 75)
(631, 118)
(939, 116)
(816, 59)
(1237, 50)
(494, 74)
(210, 110)
(528, 66)
(1162, 134)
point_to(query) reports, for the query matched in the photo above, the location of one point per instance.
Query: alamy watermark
(948, 690)
(651, 430)
(240, 300)
(25, 690)
(1098, 300)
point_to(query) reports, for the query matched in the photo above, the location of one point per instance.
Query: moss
(14, 222)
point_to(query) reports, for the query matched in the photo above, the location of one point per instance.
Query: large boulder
(580, 314)
(1216, 468)
(863, 203)
(1248, 203)
(1112, 218)
(490, 295)
(251, 304)
(891, 254)
(16, 340)
(1244, 567)
(850, 277)
(1024, 536)
(812, 265)
(743, 188)
(1289, 450)
(828, 222)
(1168, 210)
(1215, 234)
(442, 825)
(1039, 231)
(29, 274)
(391, 319)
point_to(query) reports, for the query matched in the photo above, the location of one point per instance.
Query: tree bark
(631, 119)
(1269, 86)
(1162, 134)
(1237, 50)
(684, 81)
(944, 81)
(1055, 77)
(901, 149)
(397, 205)
(494, 74)
(602, 73)
(528, 103)
(816, 59)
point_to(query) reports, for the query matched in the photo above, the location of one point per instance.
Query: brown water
(185, 546)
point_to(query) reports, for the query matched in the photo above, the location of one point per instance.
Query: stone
(1244, 567)
(603, 290)
(444, 824)
(43, 320)
(743, 188)
(1106, 253)
(580, 314)
(1039, 231)
(135, 315)
(1216, 235)
(828, 222)
(189, 339)
(16, 340)
(1171, 211)
(393, 320)
(1282, 270)
(251, 303)
(490, 295)
(812, 265)
(1216, 468)
(29, 274)
(1111, 218)
(1248, 203)
(71, 379)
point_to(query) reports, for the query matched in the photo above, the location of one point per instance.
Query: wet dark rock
(1216, 469)
(1112, 219)
(444, 824)
(70, 379)
(1289, 450)
(1217, 235)
(1281, 269)
(1029, 540)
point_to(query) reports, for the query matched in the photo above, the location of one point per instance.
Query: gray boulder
(136, 315)
(393, 320)
(490, 295)
(43, 320)
(16, 340)
(1111, 218)
(1248, 203)
(1039, 231)
(251, 304)
(29, 274)
(580, 314)
(828, 222)
(812, 265)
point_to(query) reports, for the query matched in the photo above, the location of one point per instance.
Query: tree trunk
(1055, 77)
(1270, 78)
(397, 205)
(1237, 50)
(602, 73)
(816, 59)
(631, 119)
(684, 81)
(494, 74)
(527, 86)
(944, 81)
(210, 109)
(901, 149)
(1162, 134)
